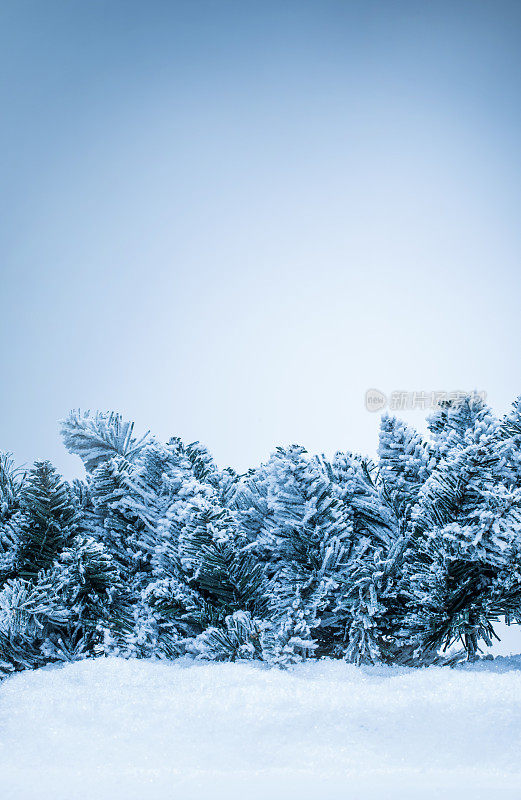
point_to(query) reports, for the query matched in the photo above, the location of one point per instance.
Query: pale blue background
(229, 219)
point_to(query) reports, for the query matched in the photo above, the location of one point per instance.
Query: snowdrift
(111, 728)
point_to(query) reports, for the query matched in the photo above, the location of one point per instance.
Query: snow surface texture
(110, 728)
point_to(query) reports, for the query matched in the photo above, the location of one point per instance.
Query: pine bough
(159, 553)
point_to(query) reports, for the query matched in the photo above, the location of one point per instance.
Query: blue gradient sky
(227, 220)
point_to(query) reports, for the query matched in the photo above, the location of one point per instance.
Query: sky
(228, 220)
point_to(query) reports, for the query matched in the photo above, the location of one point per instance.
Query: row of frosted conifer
(160, 553)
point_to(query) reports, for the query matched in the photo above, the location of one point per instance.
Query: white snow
(110, 728)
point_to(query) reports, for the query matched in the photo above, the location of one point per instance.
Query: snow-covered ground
(110, 728)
